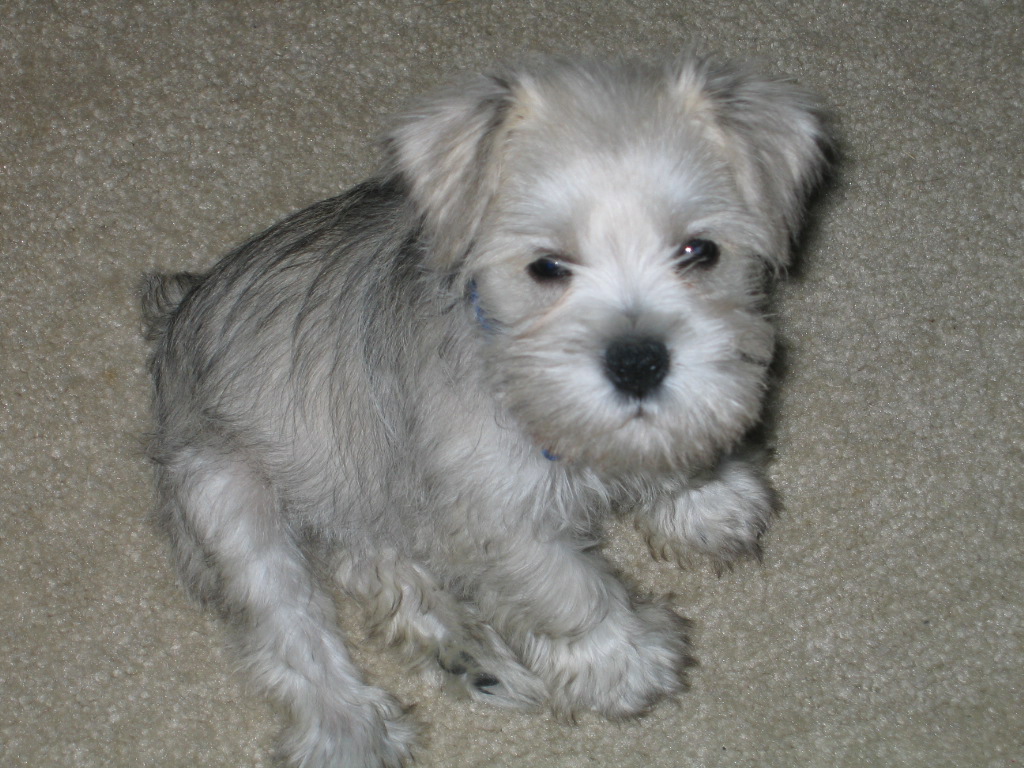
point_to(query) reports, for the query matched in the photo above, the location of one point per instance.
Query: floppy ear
(775, 134)
(447, 153)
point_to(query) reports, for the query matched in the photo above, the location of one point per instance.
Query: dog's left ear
(446, 152)
(775, 133)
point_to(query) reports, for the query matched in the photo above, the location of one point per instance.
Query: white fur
(382, 388)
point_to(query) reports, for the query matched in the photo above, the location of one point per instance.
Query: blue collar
(488, 325)
(481, 317)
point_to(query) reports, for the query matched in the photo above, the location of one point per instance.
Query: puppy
(433, 389)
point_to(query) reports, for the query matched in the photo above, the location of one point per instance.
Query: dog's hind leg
(283, 624)
(407, 607)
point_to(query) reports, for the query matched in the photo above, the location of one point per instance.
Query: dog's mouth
(639, 414)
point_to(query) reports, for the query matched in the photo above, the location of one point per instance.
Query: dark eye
(697, 253)
(548, 268)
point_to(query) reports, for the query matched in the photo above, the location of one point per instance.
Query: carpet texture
(885, 625)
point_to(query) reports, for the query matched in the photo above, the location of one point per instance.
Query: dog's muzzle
(636, 365)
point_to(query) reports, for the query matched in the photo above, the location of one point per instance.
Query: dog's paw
(487, 671)
(723, 518)
(378, 733)
(622, 667)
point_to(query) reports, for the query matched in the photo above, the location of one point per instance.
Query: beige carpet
(885, 626)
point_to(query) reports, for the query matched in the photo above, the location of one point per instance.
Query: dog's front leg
(721, 515)
(577, 627)
(408, 607)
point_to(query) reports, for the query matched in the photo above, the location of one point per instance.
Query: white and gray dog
(434, 388)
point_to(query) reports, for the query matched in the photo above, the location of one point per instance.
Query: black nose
(636, 365)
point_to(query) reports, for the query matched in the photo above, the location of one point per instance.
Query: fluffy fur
(434, 388)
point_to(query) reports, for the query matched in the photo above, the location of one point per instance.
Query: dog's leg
(407, 607)
(283, 622)
(576, 625)
(721, 516)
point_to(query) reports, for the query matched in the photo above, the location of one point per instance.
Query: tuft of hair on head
(447, 150)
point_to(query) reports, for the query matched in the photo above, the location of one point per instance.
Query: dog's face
(616, 240)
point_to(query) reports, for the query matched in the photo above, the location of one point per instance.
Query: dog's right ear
(446, 151)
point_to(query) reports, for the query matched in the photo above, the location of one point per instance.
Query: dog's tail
(161, 296)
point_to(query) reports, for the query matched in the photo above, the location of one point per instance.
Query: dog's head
(614, 223)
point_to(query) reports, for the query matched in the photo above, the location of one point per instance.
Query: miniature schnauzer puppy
(433, 389)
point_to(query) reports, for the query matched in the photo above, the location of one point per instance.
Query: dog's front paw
(722, 517)
(374, 732)
(488, 671)
(622, 667)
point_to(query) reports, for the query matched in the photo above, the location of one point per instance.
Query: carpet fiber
(885, 625)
